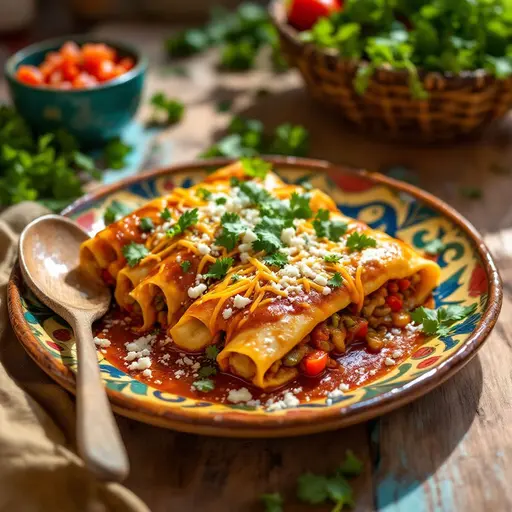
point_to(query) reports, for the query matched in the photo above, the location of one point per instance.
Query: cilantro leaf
(324, 228)
(187, 219)
(352, 465)
(185, 266)
(203, 193)
(172, 109)
(211, 352)
(232, 226)
(290, 140)
(115, 211)
(204, 385)
(134, 253)
(219, 269)
(165, 214)
(438, 322)
(299, 206)
(339, 491)
(312, 488)
(359, 241)
(221, 200)
(434, 246)
(115, 153)
(254, 192)
(335, 281)
(255, 167)
(332, 258)
(277, 259)
(268, 232)
(146, 224)
(272, 502)
(207, 371)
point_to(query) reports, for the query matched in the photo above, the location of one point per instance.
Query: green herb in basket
(449, 36)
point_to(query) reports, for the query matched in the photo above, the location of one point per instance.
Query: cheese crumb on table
(237, 396)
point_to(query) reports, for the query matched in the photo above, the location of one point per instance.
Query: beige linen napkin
(39, 470)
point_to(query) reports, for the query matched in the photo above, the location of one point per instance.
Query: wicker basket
(457, 105)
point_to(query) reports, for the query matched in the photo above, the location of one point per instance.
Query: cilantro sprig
(115, 211)
(232, 226)
(255, 167)
(268, 232)
(169, 109)
(204, 385)
(185, 266)
(211, 352)
(273, 502)
(146, 224)
(203, 193)
(325, 228)
(186, 220)
(299, 206)
(134, 253)
(359, 241)
(277, 259)
(335, 281)
(219, 269)
(115, 153)
(332, 258)
(438, 322)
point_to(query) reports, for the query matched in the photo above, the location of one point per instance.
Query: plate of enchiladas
(270, 297)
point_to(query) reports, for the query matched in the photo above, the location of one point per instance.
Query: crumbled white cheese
(195, 291)
(102, 342)
(249, 237)
(287, 235)
(289, 271)
(389, 362)
(237, 396)
(141, 364)
(396, 354)
(289, 401)
(203, 249)
(321, 280)
(147, 373)
(326, 290)
(227, 313)
(240, 302)
(244, 247)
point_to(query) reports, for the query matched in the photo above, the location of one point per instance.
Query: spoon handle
(99, 441)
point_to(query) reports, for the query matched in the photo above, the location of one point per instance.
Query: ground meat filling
(386, 308)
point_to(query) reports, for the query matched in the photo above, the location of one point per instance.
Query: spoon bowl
(49, 259)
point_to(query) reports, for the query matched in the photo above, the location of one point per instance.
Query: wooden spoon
(49, 256)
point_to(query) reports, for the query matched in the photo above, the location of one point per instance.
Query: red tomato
(29, 75)
(55, 78)
(394, 302)
(320, 333)
(69, 70)
(403, 284)
(94, 54)
(84, 80)
(360, 330)
(106, 70)
(70, 52)
(127, 63)
(314, 362)
(303, 14)
(65, 85)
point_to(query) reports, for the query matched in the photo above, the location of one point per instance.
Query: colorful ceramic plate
(469, 276)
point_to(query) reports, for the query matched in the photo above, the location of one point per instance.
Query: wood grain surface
(448, 451)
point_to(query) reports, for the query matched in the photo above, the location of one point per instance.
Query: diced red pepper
(314, 362)
(403, 284)
(394, 302)
(320, 333)
(360, 330)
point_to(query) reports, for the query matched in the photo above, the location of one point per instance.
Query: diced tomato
(65, 85)
(93, 54)
(84, 80)
(70, 70)
(55, 78)
(303, 14)
(392, 287)
(107, 277)
(394, 302)
(403, 284)
(30, 75)
(359, 330)
(70, 52)
(106, 70)
(320, 333)
(127, 63)
(314, 362)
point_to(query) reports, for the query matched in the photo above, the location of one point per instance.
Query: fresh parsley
(332, 258)
(203, 193)
(207, 371)
(272, 502)
(204, 385)
(325, 228)
(211, 352)
(359, 241)
(232, 226)
(165, 214)
(434, 247)
(219, 269)
(438, 322)
(170, 108)
(185, 266)
(115, 211)
(335, 281)
(115, 153)
(146, 224)
(255, 167)
(186, 220)
(277, 259)
(134, 252)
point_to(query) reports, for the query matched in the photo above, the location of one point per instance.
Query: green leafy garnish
(299, 206)
(189, 218)
(255, 167)
(434, 247)
(232, 226)
(290, 139)
(220, 200)
(352, 465)
(325, 228)
(165, 214)
(115, 153)
(146, 224)
(272, 502)
(268, 232)
(203, 193)
(471, 192)
(235, 278)
(204, 385)
(207, 371)
(335, 281)
(185, 265)
(219, 269)
(115, 211)
(359, 241)
(171, 109)
(437, 322)
(256, 194)
(332, 258)
(134, 253)
(211, 352)
(187, 43)
(277, 259)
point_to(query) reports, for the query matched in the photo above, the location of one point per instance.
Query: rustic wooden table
(450, 450)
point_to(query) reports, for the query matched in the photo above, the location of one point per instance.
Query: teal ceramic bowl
(92, 115)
